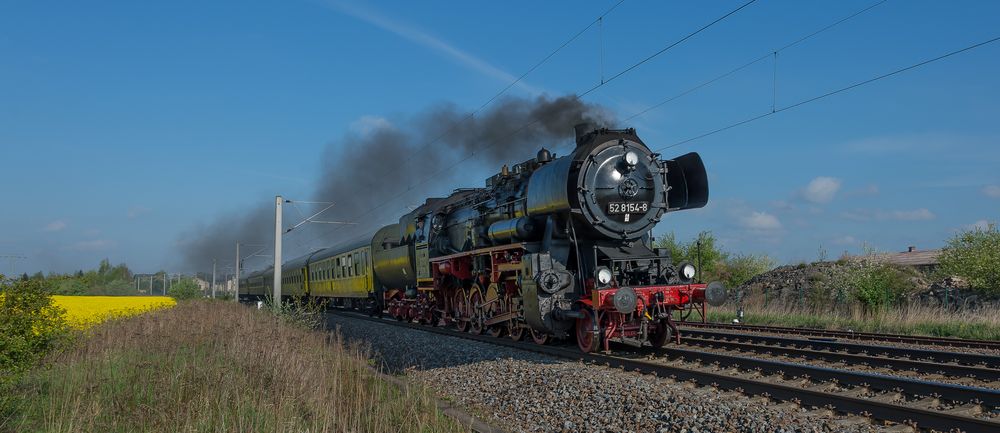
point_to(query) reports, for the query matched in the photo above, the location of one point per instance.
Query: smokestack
(582, 129)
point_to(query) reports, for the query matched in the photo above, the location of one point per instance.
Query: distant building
(924, 260)
(202, 284)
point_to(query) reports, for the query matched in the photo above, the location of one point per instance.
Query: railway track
(921, 403)
(850, 335)
(982, 368)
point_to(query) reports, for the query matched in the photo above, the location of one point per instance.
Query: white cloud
(921, 214)
(94, 245)
(782, 205)
(978, 225)
(867, 191)
(821, 189)
(760, 221)
(137, 211)
(55, 226)
(423, 38)
(368, 124)
(845, 240)
(992, 191)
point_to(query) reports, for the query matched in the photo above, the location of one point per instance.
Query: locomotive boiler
(554, 246)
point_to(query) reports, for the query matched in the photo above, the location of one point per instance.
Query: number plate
(615, 208)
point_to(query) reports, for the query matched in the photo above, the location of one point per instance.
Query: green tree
(740, 268)
(878, 285)
(716, 264)
(30, 325)
(974, 255)
(701, 251)
(186, 288)
(68, 286)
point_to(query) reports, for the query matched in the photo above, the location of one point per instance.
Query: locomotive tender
(551, 247)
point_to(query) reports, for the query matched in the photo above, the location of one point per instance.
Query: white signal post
(236, 293)
(278, 201)
(213, 278)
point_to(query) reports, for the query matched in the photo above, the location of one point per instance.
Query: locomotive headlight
(631, 158)
(603, 276)
(688, 272)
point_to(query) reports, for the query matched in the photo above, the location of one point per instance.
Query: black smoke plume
(373, 175)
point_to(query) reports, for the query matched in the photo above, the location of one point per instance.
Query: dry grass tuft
(213, 367)
(914, 319)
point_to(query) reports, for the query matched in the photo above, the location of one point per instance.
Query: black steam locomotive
(551, 247)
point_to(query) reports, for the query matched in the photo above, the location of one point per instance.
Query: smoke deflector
(688, 182)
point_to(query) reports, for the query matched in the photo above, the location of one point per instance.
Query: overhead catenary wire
(471, 115)
(770, 54)
(665, 49)
(832, 92)
(520, 78)
(517, 131)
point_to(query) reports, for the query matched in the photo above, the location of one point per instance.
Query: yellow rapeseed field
(86, 311)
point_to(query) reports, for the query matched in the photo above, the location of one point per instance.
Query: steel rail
(914, 387)
(848, 401)
(924, 367)
(978, 361)
(866, 336)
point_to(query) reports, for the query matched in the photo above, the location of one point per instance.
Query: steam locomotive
(551, 247)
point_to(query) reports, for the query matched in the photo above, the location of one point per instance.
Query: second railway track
(922, 403)
(984, 369)
(851, 335)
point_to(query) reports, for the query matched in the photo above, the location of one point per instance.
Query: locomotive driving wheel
(515, 331)
(659, 334)
(494, 305)
(459, 308)
(585, 335)
(539, 337)
(475, 310)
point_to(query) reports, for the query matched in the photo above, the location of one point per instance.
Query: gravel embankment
(524, 391)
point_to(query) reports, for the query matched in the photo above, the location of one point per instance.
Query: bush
(30, 325)
(307, 314)
(716, 264)
(974, 255)
(185, 289)
(740, 268)
(877, 285)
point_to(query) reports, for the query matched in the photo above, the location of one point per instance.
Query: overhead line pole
(236, 294)
(12, 258)
(278, 202)
(213, 278)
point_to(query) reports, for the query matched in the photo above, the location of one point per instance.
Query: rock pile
(829, 282)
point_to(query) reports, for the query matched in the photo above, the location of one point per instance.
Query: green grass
(184, 369)
(930, 321)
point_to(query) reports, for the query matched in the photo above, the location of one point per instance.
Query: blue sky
(125, 124)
